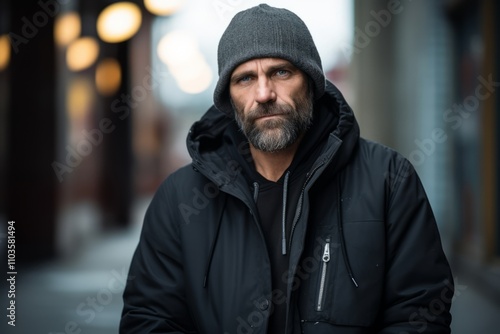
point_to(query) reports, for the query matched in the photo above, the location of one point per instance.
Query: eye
(282, 73)
(244, 78)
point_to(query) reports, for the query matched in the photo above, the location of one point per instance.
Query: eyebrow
(282, 66)
(279, 66)
(236, 77)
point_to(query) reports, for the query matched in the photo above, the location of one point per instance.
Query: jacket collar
(208, 137)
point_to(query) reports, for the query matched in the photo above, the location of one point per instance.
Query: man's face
(272, 101)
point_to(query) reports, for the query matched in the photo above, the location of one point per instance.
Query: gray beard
(279, 133)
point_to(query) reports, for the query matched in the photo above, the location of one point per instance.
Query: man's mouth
(269, 116)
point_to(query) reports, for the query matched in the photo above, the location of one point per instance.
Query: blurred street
(82, 294)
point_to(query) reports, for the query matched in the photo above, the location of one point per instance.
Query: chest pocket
(345, 285)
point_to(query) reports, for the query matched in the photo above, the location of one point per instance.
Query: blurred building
(74, 153)
(425, 75)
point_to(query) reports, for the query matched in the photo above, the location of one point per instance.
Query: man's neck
(272, 165)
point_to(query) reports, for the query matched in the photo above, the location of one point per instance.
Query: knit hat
(263, 32)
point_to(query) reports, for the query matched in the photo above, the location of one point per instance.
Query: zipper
(324, 268)
(299, 203)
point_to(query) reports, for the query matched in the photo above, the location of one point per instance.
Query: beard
(277, 133)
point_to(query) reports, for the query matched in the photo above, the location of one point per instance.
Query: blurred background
(96, 98)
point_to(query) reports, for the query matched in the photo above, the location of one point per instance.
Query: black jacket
(365, 252)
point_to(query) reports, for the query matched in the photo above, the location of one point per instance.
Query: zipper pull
(326, 251)
(322, 284)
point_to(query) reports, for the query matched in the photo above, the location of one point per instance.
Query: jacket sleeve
(419, 284)
(154, 297)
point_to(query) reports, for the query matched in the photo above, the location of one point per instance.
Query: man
(286, 221)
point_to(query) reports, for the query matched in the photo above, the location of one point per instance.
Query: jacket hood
(334, 125)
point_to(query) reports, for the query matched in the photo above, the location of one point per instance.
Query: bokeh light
(4, 52)
(67, 28)
(82, 53)
(179, 50)
(119, 22)
(163, 7)
(108, 76)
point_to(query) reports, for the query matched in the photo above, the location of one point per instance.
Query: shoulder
(374, 151)
(377, 156)
(180, 195)
(182, 182)
(383, 162)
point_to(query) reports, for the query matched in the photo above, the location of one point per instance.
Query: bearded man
(286, 221)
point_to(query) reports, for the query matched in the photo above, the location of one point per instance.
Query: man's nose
(265, 91)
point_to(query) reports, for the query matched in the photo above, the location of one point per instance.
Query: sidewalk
(81, 296)
(84, 296)
(472, 311)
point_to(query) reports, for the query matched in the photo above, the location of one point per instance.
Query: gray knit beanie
(261, 32)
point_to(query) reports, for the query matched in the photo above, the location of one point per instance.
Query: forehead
(253, 64)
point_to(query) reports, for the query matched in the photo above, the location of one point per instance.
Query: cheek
(298, 94)
(242, 106)
(239, 109)
(289, 97)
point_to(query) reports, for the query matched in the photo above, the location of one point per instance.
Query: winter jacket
(365, 252)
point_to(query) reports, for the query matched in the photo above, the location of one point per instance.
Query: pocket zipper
(324, 266)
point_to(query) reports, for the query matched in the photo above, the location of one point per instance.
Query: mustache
(268, 109)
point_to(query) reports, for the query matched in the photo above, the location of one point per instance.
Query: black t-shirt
(270, 208)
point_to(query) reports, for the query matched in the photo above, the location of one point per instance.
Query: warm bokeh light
(177, 47)
(163, 7)
(195, 79)
(4, 52)
(67, 28)
(82, 53)
(119, 22)
(179, 50)
(108, 76)
(79, 98)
